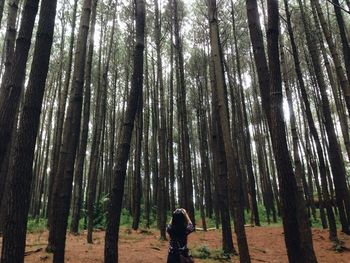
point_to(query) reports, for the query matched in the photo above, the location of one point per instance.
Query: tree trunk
(344, 39)
(2, 4)
(289, 185)
(343, 81)
(79, 167)
(171, 117)
(203, 150)
(220, 170)
(233, 171)
(147, 180)
(137, 188)
(332, 81)
(96, 143)
(249, 165)
(155, 124)
(335, 156)
(10, 38)
(21, 166)
(162, 142)
(62, 189)
(115, 205)
(294, 220)
(186, 155)
(61, 112)
(11, 90)
(312, 127)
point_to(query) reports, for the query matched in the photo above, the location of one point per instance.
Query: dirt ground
(266, 244)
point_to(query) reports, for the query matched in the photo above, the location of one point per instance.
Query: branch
(342, 8)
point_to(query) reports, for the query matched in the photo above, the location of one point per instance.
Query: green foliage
(338, 247)
(263, 217)
(201, 252)
(210, 221)
(36, 225)
(153, 217)
(318, 223)
(100, 218)
(100, 213)
(204, 252)
(125, 218)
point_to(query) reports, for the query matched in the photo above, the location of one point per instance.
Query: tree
(123, 150)
(171, 114)
(2, 3)
(288, 182)
(246, 134)
(344, 83)
(95, 145)
(294, 217)
(11, 89)
(78, 169)
(137, 193)
(62, 188)
(63, 95)
(231, 153)
(21, 166)
(220, 170)
(162, 140)
(147, 180)
(344, 39)
(312, 127)
(335, 156)
(10, 37)
(183, 120)
(9, 44)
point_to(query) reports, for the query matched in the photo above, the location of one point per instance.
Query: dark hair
(178, 223)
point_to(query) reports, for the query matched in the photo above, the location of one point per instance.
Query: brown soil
(266, 244)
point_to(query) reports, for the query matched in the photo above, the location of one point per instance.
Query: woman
(178, 229)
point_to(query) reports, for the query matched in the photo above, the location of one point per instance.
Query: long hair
(178, 223)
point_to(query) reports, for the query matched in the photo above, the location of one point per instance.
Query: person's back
(178, 230)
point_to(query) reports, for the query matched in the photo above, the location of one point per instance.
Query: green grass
(35, 225)
(209, 254)
(100, 220)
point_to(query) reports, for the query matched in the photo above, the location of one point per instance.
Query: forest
(115, 113)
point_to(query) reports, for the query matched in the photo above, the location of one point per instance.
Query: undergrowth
(126, 219)
(208, 254)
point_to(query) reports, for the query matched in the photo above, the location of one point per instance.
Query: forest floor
(266, 244)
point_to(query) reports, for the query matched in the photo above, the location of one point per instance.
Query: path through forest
(266, 244)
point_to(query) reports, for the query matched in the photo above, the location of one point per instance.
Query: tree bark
(186, 154)
(220, 170)
(61, 113)
(312, 127)
(147, 180)
(2, 4)
(79, 167)
(162, 140)
(137, 188)
(21, 166)
(233, 171)
(294, 221)
(344, 39)
(332, 81)
(11, 90)
(289, 185)
(171, 116)
(115, 204)
(335, 156)
(247, 142)
(343, 81)
(10, 38)
(62, 188)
